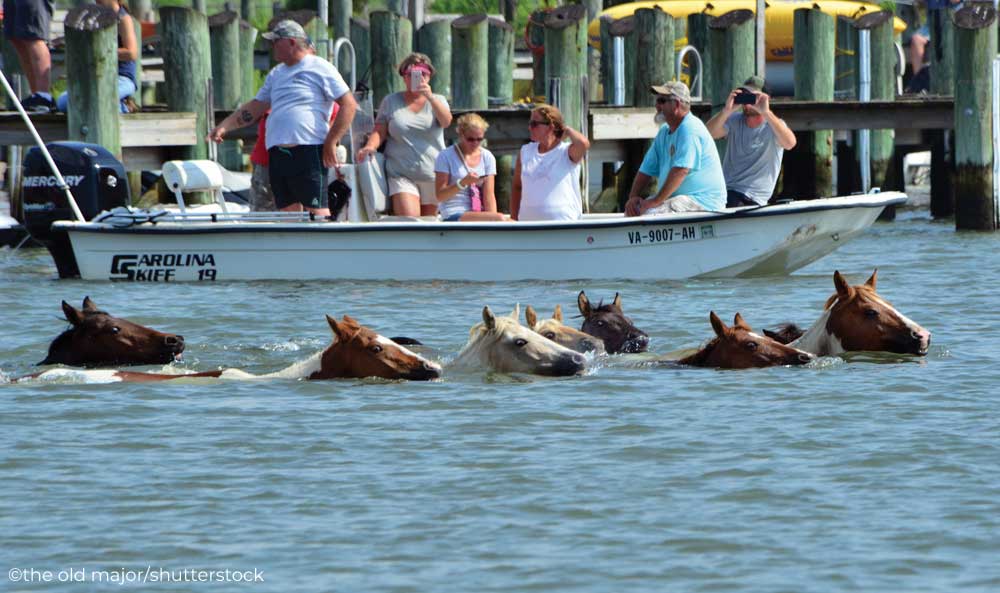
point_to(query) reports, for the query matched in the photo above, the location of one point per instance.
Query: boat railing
(127, 217)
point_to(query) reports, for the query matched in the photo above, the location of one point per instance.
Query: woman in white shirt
(546, 184)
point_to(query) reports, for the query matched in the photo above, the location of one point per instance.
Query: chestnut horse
(738, 347)
(610, 324)
(503, 345)
(98, 339)
(856, 318)
(563, 335)
(355, 353)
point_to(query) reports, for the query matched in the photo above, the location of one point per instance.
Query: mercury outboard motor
(96, 179)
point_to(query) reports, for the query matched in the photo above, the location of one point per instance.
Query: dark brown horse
(356, 352)
(856, 318)
(98, 339)
(610, 324)
(738, 347)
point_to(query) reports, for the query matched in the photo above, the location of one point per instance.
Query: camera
(745, 98)
(416, 79)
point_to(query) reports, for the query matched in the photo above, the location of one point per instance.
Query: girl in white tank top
(550, 184)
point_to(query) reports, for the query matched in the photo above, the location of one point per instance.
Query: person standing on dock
(683, 158)
(26, 26)
(757, 139)
(301, 144)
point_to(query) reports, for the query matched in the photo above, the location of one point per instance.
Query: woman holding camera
(546, 184)
(412, 124)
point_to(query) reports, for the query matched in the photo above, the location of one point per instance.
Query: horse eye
(550, 335)
(600, 324)
(751, 346)
(871, 313)
(115, 329)
(375, 349)
(520, 342)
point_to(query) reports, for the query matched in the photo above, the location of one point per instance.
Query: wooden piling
(942, 82)
(434, 39)
(137, 96)
(845, 62)
(976, 42)
(566, 60)
(186, 54)
(593, 68)
(883, 87)
(731, 53)
(814, 49)
(248, 10)
(654, 31)
(391, 41)
(340, 18)
(698, 37)
(470, 61)
(625, 28)
(361, 40)
(504, 179)
(227, 75)
(536, 44)
(500, 79)
(92, 61)
(248, 38)
(606, 77)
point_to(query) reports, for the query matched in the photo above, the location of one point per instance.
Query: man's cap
(286, 29)
(754, 84)
(673, 88)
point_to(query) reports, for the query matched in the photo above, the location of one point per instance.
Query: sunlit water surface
(875, 473)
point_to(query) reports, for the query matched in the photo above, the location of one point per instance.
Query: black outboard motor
(96, 179)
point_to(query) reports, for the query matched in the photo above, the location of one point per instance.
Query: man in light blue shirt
(683, 158)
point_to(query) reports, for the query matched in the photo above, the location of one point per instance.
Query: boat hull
(772, 240)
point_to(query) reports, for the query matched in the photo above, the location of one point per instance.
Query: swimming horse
(356, 352)
(610, 324)
(738, 347)
(503, 345)
(563, 335)
(98, 339)
(856, 318)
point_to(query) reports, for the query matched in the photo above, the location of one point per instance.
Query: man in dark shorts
(301, 143)
(26, 26)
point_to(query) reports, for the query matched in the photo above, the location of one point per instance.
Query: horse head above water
(359, 352)
(504, 345)
(738, 347)
(610, 324)
(98, 339)
(563, 335)
(856, 318)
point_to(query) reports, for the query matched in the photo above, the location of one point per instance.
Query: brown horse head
(610, 324)
(861, 320)
(359, 352)
(563, 335)
(98, 339)
(738, 347)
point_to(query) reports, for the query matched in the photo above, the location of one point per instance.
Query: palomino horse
(503, 345)
(356, 352)
(737, 347)
(98, 339)
(856, 318)
(563, 335)
(610, 324)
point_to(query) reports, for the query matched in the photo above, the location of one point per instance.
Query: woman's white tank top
(550, 184)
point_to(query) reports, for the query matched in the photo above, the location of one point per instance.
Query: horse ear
(530, 317)
(334, 326)
(73, 315)
(873, 280)
(741, 323)
(557, 314)
(88, 305)
(717, 324)
(583, 303)
(516, 313)
(617, 302)
(489, 319)
(844, 290)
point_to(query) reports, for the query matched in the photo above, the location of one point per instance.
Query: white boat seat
(191, 176)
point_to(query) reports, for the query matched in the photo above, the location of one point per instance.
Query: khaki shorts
(424, 189)
(676, 204)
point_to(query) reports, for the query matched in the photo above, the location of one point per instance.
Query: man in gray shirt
(756, 141)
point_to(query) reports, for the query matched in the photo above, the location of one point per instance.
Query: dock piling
(654, 31)
(814, 49)
(500, 79)
(91, 58)
(391, 41)
(434, 39)
(470, 61)
(566, 61)
(227, 74)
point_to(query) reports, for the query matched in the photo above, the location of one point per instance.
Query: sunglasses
(662, 100)
(480, 139)
(535, 123)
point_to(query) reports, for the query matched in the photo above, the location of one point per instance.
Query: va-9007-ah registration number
(662, 234)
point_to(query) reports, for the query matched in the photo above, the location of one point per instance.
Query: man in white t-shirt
(301, 143)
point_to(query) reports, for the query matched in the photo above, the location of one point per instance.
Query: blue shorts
(27, 19)
(297, 176)
(453, 217)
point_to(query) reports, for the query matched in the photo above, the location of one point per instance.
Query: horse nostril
(578, 358)
(173, 340)
(804, 358)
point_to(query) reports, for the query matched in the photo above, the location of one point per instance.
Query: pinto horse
(856, 318)
(356, 352)
(738, 347)
(610, 324)
(563, 335)
(98, 339)
(503, 345)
